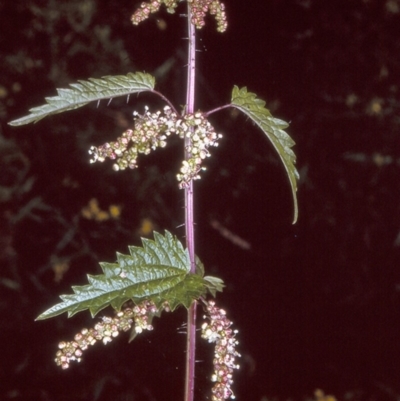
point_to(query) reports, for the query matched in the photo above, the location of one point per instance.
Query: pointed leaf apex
(83, 92)
(158, 271)
(249, 104)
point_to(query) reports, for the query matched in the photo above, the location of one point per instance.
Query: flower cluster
(218, 330)
(105, 331)
(199, 9)
(151, 131)
(145, 9)
(202, 135)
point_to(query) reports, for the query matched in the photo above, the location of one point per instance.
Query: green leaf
(85, 92)
(249, 104)
(214, 284)
(158, 271)
(183, 293)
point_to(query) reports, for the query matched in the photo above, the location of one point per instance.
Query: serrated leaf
(199, 267)
(183, 293)
(214, 284)
(84, 92)
(158, 271)
(273, 128)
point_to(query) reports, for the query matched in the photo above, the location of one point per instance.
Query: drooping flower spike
(151, 131)
(202, 135)
(199, 9)
(218, 330)
(105, 331)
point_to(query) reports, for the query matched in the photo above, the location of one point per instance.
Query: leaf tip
(42, 316)
(15, 123)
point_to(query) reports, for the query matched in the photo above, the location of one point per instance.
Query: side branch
(165, 100)
(206, 114)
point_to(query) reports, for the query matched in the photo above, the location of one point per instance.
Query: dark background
(317, 303)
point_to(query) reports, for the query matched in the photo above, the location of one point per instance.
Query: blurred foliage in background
(317, 304)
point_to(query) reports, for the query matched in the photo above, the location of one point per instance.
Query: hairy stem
(189, 218)
(165, 99)
(190, 92)
(217, 109)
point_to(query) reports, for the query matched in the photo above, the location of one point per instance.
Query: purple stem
(189, 219)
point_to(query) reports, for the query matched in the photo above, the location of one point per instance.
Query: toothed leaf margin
(159, 271)
(273, 128)
(84, 92)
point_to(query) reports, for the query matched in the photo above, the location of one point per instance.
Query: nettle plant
(163, 274)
